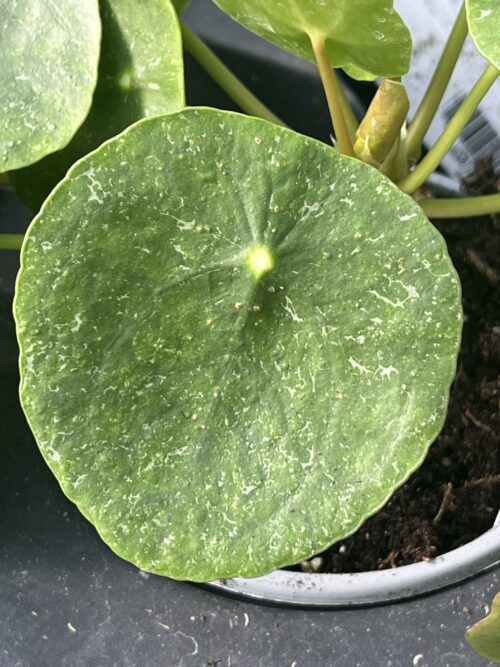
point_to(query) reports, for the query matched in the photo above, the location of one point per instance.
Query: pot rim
(372, 588)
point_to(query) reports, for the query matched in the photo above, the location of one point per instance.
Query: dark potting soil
(455, 496)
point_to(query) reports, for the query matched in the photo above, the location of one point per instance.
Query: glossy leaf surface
(367, 38)
(49, 54)
(236, 343)
(141, 74)
(483, 17)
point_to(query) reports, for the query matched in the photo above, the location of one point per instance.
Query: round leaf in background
(235, 342)
(367, 38)
(483, 17)
(49, 53)
(141, 74)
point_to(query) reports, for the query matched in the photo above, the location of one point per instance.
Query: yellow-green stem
(334, 95)
(223, 76)
(350, 118)
(437, 87)
(461, 207)
(433, 158)
(11, 241)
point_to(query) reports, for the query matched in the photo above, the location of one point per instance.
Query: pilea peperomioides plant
(236, 342)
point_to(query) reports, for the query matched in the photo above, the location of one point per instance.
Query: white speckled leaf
(484, 636)
(49, 53)
(484, 24)
(367, 38)
(210, 423)
(141, 74)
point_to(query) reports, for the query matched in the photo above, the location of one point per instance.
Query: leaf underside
(49, 59)
(484, 636)
(235, 342)
(484, 24)
(141, 74)
(367, 38)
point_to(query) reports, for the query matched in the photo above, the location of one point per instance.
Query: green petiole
(223, 76)
(335, 97)
(11, 241)
(461, 208)
(437, 87)
(433, 158)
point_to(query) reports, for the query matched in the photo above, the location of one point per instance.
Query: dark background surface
(67, 601)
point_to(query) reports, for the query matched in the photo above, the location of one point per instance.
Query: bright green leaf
(484, 637)
(367, 38)
(484, 24)
(49, 54)
(236, 343)
(140, 74)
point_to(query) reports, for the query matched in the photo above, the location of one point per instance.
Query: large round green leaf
(367, 38)
(49, 53)
(141, 74)
(484, 24)
(236, 343)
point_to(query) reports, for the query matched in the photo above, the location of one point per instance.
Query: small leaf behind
(49, 53)
(141, 74)
(367, 38)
